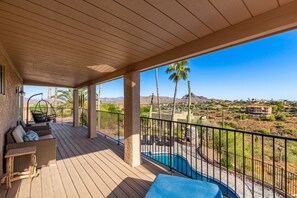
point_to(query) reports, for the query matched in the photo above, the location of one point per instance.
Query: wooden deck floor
(86, 168)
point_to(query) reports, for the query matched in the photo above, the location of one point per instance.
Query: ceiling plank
(69, 30)
(117, 22)
(18, 27)
(182, 16)
(203, 10)
(233, 10)
(19, 34)
(281, 19)
(66, 13)
(156, 17)
(282, 2)
(258, 7)
(68, 21)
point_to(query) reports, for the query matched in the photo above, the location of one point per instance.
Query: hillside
(144, 99)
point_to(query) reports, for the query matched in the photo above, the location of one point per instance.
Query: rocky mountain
(144, 99)
(194, 98)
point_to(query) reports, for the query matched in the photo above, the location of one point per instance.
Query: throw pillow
(18, 134)
(31, 136)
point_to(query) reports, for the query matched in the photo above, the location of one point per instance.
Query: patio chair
(45, 148)
(36, 127)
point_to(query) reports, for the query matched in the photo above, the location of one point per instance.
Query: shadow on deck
(86, 168)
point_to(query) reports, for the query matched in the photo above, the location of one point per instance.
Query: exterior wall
(9, 112)
(259, 110)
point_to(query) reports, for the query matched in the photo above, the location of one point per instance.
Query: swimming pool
(181, 164)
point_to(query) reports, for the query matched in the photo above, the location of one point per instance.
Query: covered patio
(86, 168)
(79, 44)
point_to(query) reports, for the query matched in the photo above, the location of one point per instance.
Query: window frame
(2, 80)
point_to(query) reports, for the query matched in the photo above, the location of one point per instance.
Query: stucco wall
(8, 101)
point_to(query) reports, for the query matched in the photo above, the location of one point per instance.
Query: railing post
(118, 128)
(62, 115)
(82, 115)
(170, 158)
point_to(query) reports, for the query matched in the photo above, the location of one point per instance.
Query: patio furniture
(176, 187)
(45, 148)
(12, 176)
(41, 127)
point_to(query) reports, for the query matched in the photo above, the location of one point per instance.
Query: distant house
(259, 110)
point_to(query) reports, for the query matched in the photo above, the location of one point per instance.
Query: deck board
(86, 168)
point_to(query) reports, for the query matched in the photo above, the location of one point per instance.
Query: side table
(10, 175)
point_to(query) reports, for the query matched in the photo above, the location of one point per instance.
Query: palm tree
(66, 96)
(99, 104)
(49, 96)
(158, 96)
(189, 102)
(56, 99)
(177, 71)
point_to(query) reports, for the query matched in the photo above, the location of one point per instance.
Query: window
(1, 79)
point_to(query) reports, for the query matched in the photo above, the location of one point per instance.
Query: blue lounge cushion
(176, 187)
(31, 136)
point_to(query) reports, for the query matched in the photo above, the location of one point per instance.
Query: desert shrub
(279, 125)
(228, 118)
(226, 163)
(271, 118)
(232, 125)
(243, 116)
(265, 131)
(267, 118)
(289, 131)
(281, 117)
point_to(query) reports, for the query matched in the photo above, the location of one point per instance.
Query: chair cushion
(18, 134)
(178, 187)
(44, 137)
(31, 136)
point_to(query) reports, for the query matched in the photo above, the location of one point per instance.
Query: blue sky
(262, 69)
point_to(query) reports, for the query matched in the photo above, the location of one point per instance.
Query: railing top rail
(225, 129)
(214, 127)
(109, 112)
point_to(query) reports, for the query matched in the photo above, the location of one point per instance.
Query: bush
(265, 131)
(226, 163)
(243, 116)
(281, 117)
(228, 118)
(267, 118)
(289, 131)
(271, 118)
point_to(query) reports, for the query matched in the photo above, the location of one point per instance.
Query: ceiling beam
(278, 20)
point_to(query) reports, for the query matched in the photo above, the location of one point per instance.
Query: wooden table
(10, 175)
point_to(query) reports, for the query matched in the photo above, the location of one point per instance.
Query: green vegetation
(177, 71)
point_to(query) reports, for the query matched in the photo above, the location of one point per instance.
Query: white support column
(132, 119)
(75, 107)
(92, 133)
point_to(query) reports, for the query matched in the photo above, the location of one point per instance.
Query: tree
(56, 99)
(49, 96)
(177, 71)
(189, 102)
(157, 90)
(66, 96)
(99, 104)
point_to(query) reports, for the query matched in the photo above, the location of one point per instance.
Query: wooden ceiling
(76, 42)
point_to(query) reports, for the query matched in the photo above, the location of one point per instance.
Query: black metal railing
(109, 124)
(242, 163)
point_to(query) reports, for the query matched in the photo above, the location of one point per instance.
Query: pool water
(180, 164)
